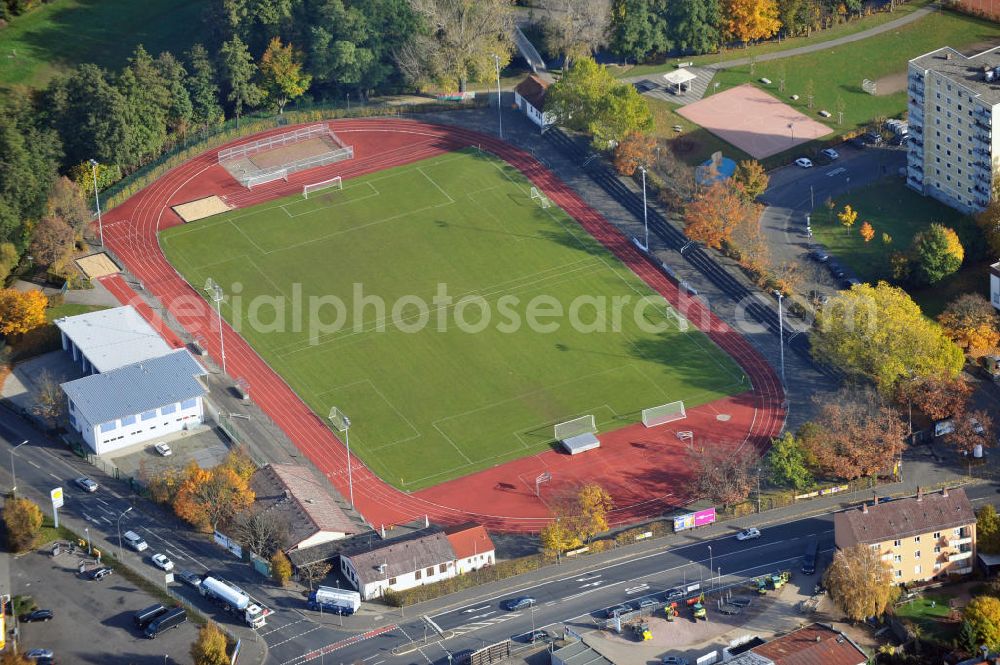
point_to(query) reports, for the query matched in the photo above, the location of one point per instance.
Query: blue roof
(136, 388)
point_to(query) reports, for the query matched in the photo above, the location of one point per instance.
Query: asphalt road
(294, 635)
(794, 192)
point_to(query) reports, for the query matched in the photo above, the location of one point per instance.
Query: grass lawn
(930, 613)
(699, 143)
(432, 398)
(70, 309)
(852, 27)
(892, 208)
(837, 73)
(64, 33)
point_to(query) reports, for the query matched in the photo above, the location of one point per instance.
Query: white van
(135, 541)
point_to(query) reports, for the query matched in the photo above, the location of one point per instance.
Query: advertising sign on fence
(692, 520)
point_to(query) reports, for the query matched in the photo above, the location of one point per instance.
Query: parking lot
(93, 619)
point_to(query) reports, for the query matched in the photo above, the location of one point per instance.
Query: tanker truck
(234, 599)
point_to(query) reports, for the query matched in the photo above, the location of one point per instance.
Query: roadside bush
(281, 568)
(23, 519)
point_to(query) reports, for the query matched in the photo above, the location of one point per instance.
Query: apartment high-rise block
(954, 106)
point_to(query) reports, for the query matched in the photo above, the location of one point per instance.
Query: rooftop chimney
(944, 492)
(864, 508)
(920, 493)
(876, 499)
(427, 521)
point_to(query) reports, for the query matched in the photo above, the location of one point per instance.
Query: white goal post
(541, 198)
(332, 183)
(677, 318)
(252, 181)
(575, 427)
(663, 414)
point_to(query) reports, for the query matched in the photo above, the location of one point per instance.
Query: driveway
(794, 192)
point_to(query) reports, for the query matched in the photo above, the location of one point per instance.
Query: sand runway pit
(192, 211)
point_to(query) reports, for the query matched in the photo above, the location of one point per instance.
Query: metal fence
(269, 142)
(248, 179)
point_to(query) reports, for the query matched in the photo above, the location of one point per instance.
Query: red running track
(644, 468)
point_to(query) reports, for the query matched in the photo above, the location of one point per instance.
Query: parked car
(848, 282)
(819, 255)
(519, 603)
(900, 140)
(99, 574)
(162, 562)
(830, 153)
(189, 578)
(616, 610)
(804, 162)
(647, 603)
(675, 594)
(836, 269)
(873, 138)
(35, 654)
(674, 660)
(86, 484)
(163, 449)
(37, 615)
(537, 636)
(748, 534)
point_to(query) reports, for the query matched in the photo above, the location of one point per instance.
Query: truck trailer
(335, 601)
(234, 599)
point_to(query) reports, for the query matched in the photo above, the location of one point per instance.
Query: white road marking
(475, 609)
(55, 476)
(590, 584)
(636, 589)
(32, 464)
(836, 171)
(101, 501)
(483, 615)
(587, 579)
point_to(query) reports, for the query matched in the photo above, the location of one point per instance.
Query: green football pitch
(346, 295)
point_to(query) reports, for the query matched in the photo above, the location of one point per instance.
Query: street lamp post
(86, 530)
(781, 334)
(758, 490)
(127, 511)
(97, 200)
(13, 476)
(645, 209)
(496, 61)
(710, 560)
(216, 294)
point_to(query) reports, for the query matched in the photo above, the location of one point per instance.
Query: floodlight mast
(343, 424)
(216, 295)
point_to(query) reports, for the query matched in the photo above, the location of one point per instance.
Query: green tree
(238, 71)
(28, 158)
(694, 25)
(860, 582)
(458, 42)
(180, 110)
(210, 646)
(146, 99)
(983, 615)
(988, 530)
(786, 462)
(880, 333)
(23, 519)
(574, 28)
(752, 177)
(202, 89)
(967, 637)
(936, 253)
(589, 98)
(281, 568)
(281, 71)
(639, 28)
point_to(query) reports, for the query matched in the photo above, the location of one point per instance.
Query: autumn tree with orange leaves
(972, 429)
(210, 497)
(21, 312)
(635, 150)
(855, 436)
(972, 322)
(936, 397)
(867, 232)
(714, 216)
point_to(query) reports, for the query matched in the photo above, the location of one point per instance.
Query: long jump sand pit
(192, 211)
(754, 121)
(98, 265)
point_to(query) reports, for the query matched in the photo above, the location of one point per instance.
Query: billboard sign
(57, 497)
(693, 520)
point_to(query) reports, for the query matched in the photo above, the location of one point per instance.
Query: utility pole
(645, 209)
(97, 200)
(496, 61)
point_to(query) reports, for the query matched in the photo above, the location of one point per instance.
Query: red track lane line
(131, 230)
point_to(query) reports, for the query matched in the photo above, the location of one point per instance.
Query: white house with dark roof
(110, 338)
(529, 96)
(137, 402)
(303, 503)
(399, 564)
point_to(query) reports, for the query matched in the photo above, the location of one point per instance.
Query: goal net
(677, 319)
(575, 427)
(541, 198)
(663, 414)
(332, 183)
(338, 419)
(252, 181)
